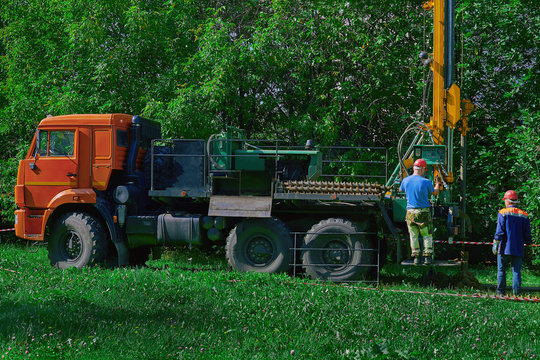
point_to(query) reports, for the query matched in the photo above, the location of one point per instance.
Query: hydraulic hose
(209, 152)
(420, 128)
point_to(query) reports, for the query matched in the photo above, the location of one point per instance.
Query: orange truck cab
(72, 165)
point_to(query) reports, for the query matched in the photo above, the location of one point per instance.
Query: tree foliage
(501, 67)
(338, 72)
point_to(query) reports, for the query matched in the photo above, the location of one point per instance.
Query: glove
(495, 248)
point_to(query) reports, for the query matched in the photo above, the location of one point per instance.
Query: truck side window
(43, 139)
(61, 143)
(122, 138)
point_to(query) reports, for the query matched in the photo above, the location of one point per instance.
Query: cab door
(52, 167)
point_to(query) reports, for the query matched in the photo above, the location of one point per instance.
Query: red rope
(436, 241)
(478, 296)
(474, 243)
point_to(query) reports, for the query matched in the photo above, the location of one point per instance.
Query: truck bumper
(29, 224)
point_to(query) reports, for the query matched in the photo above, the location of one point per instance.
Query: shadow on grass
(78, 318)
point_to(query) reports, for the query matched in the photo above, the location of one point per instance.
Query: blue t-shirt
(417, 189)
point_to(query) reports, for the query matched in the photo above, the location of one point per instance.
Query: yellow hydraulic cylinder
(453, 105)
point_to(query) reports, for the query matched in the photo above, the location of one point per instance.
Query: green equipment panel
(433, 154)
(399, 209)
(254, 160)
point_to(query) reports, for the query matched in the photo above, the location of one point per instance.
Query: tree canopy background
(344, 73)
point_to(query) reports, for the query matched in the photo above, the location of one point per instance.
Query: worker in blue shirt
(513, 232)
(417, 190)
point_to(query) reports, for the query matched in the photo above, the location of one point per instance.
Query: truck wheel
(334, 251)
(261, 245)
(77, 240)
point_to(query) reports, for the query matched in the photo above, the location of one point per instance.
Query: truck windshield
(42, 141)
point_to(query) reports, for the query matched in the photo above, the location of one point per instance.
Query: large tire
(77, 240)
(334, 251)
(260, 245)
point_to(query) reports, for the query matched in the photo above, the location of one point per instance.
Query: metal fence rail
(339, 162)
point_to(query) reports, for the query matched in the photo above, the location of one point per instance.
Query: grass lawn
(189, 305)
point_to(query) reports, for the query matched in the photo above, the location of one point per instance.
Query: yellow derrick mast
(450, 112)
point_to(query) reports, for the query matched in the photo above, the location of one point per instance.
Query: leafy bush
(524, 146)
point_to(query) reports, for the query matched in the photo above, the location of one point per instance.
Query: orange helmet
(420, 163)
(510, 195)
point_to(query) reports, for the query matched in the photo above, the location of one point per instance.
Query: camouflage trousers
(420, 224)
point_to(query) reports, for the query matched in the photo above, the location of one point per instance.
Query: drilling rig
(108, 188)
(434, 140)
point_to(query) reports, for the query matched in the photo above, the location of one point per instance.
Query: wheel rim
(72, 245)
(260, 250)
(336, 253)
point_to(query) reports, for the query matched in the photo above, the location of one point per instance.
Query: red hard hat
(420, 163)
(510, 195)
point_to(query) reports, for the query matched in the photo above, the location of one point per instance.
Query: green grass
(189, 305)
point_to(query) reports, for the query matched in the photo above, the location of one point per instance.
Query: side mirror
(33, 165)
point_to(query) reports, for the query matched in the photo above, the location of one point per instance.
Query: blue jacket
(513, 231)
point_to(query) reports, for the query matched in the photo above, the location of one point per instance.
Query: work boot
(428, 260)
(416, 260)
